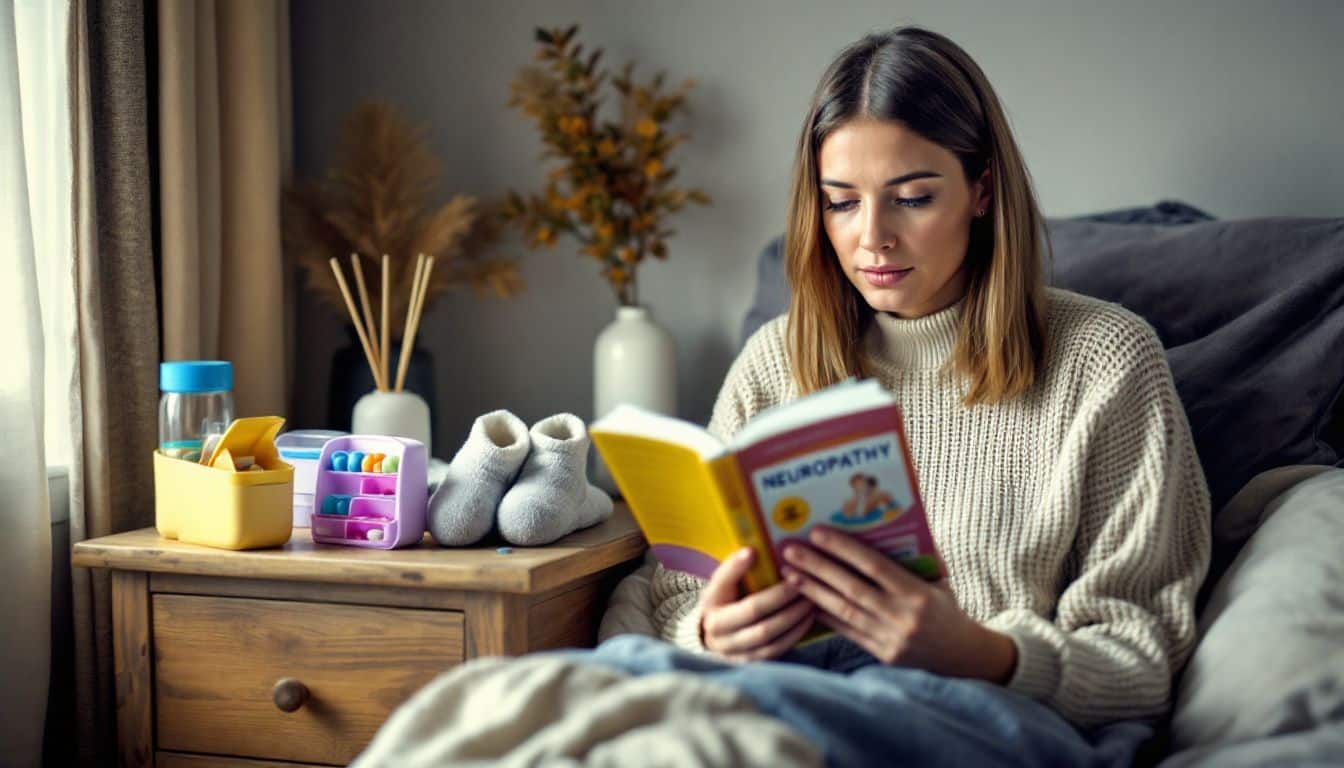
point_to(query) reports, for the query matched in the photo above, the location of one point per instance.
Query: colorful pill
(329, 504)
(377, 466)
(356, 461)
(374, 535)
(338, 460)
(391, 463)
(369, 460)
(343, 505)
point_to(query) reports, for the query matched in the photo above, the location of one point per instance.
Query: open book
(836, 457)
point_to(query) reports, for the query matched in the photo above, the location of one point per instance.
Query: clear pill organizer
(302, 448)
(370, 492)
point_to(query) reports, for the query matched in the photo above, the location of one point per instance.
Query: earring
(980, 213)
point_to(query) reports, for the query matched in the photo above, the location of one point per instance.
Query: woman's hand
(891, 613)
(760, 626)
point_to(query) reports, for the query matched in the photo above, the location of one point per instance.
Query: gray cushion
(772, 290)
(1252, 317)
(1269, 665)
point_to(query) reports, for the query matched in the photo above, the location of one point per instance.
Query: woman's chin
(892, 301)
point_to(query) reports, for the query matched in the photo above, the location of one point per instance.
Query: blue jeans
(859, 712)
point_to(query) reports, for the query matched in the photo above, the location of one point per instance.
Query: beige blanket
(544, 710)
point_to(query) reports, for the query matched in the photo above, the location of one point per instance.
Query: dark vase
(351, 378)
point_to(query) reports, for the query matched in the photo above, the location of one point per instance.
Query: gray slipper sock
(552, 496)
(462, 509)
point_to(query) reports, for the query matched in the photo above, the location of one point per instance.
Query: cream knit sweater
(1074, 519)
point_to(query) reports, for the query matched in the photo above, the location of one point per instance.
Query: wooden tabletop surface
(425, 566)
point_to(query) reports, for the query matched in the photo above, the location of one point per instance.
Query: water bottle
(196, 404)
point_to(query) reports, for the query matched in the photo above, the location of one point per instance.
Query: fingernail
(791, 554)
(819, 535)
(743, 554)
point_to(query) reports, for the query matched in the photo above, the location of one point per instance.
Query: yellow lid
(252, 436)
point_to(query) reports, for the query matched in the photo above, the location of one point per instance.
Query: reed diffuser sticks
(377, 346)
(424, 267)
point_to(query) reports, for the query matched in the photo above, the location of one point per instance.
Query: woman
(1057, 465)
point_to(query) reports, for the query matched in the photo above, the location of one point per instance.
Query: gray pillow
(1251, 314)
(1269, 664)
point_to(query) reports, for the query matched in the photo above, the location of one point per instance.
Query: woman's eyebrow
(889, 183)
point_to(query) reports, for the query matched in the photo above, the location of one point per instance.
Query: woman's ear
(982, 192)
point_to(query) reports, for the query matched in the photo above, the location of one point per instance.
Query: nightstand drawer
(217, 661)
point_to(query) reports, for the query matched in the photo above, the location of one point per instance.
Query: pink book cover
(852, 473)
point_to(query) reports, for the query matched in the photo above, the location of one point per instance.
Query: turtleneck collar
(918, 343)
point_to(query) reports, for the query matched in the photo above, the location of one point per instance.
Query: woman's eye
(914, 202)
(904, 202)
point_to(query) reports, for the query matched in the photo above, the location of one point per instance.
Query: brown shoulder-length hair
(928, 83)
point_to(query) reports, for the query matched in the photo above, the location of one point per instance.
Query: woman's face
(898, 210)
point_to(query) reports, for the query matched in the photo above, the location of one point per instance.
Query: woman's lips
(885, 277)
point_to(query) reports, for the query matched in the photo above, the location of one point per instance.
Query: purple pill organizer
(380, 510)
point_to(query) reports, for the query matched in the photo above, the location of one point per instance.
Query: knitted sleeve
(1124, 623)
(757, 379)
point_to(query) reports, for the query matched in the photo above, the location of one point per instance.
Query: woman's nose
(877, 237)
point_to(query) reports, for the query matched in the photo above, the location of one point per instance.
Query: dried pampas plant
(380, 198)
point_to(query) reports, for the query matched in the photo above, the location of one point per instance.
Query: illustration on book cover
(860, 487)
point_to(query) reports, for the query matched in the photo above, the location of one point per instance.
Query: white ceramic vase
(398, 414)
(634, 362)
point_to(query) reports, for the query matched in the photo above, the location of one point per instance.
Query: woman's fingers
(784, 642)
(722, 586)
(861, 638)
(726, 619)
(864, 559)
(842, 606)
(762, 634)
(836, 577)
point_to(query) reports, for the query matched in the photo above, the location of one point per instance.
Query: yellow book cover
(837, 457)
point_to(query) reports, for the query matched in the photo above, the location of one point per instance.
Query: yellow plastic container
(215, 504)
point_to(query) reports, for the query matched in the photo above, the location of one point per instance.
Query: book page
(849, 396)
(631, 420)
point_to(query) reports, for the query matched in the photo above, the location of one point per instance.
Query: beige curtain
(224, 133)
(25, 549)
(116, 391)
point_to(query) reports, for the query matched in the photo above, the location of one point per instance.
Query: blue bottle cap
(196, 376)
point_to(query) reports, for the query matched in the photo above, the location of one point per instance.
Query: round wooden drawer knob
(289, 694)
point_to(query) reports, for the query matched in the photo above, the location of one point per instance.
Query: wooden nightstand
(213, 646)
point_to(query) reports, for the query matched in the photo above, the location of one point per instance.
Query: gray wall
(1232, 106)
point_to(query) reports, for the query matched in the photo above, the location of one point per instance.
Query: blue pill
(356, 461)
(329, 504)
(338, 460)
(504, 551)
(343, 505)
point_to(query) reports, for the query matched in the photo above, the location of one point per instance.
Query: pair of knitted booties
(531, 484)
